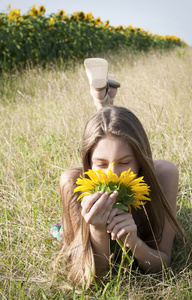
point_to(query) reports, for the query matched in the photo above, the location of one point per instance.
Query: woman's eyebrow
(123, 157)
(98, 158)
(126, 156)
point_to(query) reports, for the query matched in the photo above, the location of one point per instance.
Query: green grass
(43, 113)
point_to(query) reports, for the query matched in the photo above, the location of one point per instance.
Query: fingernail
(114, 193)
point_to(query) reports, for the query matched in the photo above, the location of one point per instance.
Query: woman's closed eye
(102, 165)
(124, 163)
(106, 165)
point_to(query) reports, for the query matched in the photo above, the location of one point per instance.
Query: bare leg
(103, 87)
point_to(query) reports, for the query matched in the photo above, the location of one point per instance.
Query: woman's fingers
(119, 232)
(116, 216)
(96, 208)
(121, 226)
(119, 222)
(88, 202)
(109, 205)
(94, 202)
(114, 212)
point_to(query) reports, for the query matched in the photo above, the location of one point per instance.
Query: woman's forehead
(112, 145)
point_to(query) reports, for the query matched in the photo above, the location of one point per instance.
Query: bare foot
(102, 99)
(112, 93)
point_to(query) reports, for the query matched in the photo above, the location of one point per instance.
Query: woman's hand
(96, 208)
(120, 224)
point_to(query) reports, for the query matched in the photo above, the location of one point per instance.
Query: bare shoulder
(69, 176)
(166, 170)
(168, 176)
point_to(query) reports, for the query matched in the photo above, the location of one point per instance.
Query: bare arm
(168, 177)
(121, 223)
(101, 249)
(95, 210)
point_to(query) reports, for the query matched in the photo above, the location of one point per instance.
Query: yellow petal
(140, 190)
(83, 188)
(141, 197)
(84, 181)
(102, 176)
(83, 195)
(93, 176)
(126, 177)
(112, 176)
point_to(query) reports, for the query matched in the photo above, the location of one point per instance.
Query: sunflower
(14, 14)
(52, 21)
(41, 10)
(132, 191)
(33, 11)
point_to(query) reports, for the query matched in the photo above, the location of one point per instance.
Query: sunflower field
(34, 38)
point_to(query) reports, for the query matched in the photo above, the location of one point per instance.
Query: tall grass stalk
(43, 113)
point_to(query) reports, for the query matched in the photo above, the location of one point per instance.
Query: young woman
(114, 134)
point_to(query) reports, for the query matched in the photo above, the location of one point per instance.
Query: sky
(165, 17)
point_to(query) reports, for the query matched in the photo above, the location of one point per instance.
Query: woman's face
(111, 149)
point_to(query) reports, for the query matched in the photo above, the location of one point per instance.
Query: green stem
(125, 252)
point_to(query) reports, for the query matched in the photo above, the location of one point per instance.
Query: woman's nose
(115, 170)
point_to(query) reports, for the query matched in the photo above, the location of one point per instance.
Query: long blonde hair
(119, 122)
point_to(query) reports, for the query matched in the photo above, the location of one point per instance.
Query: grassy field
(43, 113)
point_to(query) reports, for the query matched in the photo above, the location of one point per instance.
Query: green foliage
(36, 39)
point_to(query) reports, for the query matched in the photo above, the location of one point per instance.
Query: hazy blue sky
(173, 17)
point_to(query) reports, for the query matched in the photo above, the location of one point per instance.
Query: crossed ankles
(103, 87)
